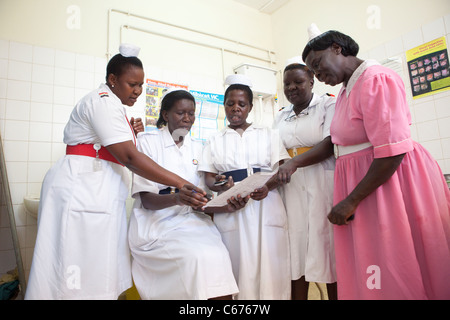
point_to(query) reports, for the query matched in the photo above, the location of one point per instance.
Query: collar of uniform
(314, 101)
(357, 73)
(168, 139)
(250, 128)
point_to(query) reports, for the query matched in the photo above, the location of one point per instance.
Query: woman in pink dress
(391, 203)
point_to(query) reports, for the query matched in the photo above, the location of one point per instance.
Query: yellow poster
(154, 92)
(428, 68)
(209, 113)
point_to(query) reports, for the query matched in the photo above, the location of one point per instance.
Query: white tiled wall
(431, 115)
(38, 89)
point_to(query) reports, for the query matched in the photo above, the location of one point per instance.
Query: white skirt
(179, 257)
(308, 199)
(257, 239)
(81, 247)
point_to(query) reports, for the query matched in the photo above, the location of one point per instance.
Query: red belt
(89, 151)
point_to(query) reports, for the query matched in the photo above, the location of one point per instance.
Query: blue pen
(208, 196)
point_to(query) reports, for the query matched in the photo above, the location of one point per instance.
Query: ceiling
(265, 6)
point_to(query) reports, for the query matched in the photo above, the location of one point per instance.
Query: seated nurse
(177, 252)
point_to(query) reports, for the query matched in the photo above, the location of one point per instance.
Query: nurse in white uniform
(305, 131)
(257, 235)
(177, 252)
(81, 248)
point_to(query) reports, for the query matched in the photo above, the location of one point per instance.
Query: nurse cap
(313, 31)
(238, 79)
(294, 60)
(129, 50)
(173, 89)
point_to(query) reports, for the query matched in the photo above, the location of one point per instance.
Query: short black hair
(238, 86)
(326, 40)
(168, 102)
(300, 66)
(118, 64)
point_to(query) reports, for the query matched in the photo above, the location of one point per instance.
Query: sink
(31, 203)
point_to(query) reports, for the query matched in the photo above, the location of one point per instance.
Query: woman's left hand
(260, 193)
(285, 171)
(236, 203)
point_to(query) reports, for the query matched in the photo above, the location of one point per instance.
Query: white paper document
(244, 188)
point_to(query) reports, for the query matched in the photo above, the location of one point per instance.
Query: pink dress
(397, 246)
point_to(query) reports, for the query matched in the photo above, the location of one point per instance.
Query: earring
(112, 85)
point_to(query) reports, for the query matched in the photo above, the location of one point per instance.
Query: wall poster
(209, 114)
(428, 68)
(153, 95)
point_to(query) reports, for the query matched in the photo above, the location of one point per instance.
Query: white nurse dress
(257, 235)
(81, 247)
(177, 253)
(309, 195)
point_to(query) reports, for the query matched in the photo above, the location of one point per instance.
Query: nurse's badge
(97, 162)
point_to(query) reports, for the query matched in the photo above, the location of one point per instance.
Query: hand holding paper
(243, 188)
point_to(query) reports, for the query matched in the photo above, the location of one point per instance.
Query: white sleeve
(109, 122)
(139, 183)
(278, 150)
(206, 164)
(329, 113)
(276, 121)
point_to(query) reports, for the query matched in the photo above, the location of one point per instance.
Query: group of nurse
(351, 191)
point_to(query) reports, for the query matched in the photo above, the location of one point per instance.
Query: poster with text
(209, 114)
(428, 68)
(154, 92)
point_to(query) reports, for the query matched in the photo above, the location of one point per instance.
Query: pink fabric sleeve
(386, 115)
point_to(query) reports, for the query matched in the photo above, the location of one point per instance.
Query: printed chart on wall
(428, 68)
(209, 114)
(153, 95)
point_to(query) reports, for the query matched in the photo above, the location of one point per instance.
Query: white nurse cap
(129, 50)
(238, 79)
(173, 89)
(297, 60)
(313, 31)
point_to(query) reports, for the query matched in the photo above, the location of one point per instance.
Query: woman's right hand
(192, 196)
(220, 188)
(343, 212)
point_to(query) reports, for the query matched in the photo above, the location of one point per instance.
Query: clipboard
(244, 188)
